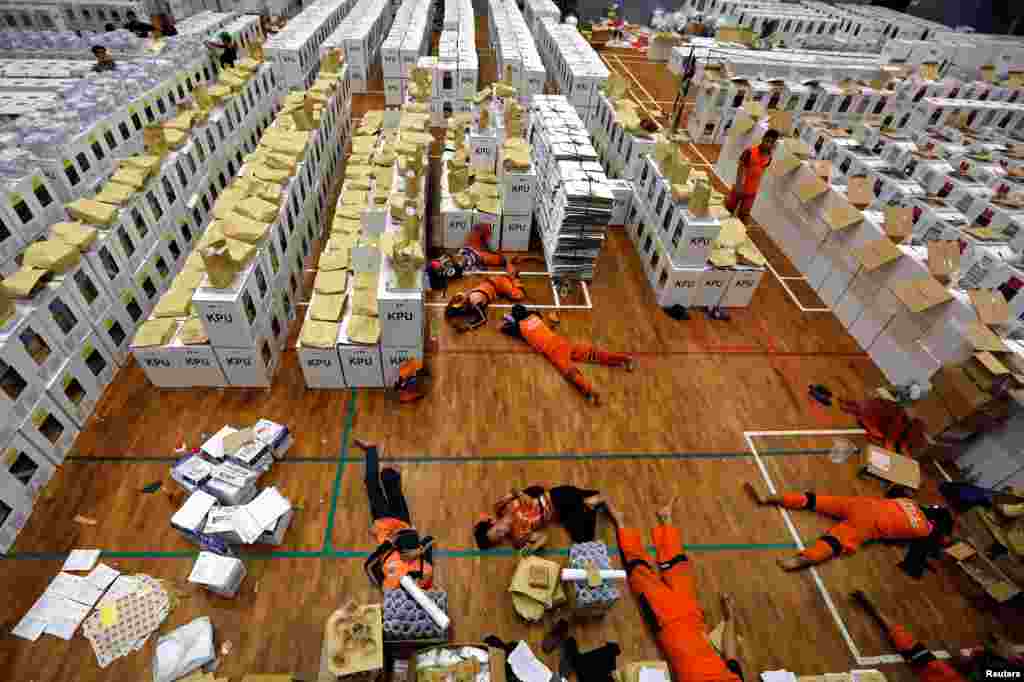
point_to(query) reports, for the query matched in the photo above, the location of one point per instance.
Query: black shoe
(677, 312)
(819, 396)
(820, 388)
(717, 313)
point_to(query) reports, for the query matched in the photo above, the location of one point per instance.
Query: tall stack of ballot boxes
(94, 273)
(408, 40)
(536, 11)
(366, 312)
(693, 253)
(225, 318)
(909, 275)
(360, 36)
(519, 63)
(575, 67)
(296, 50)
(456, 70)
(496, 180)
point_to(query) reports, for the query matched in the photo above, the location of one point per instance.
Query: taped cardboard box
(892, 467)
(990, 305)
(858, 191)
(899, 221)
(943, 258)
(960, 395)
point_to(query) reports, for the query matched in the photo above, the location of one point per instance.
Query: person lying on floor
(529, 326)
(519, 516)
(401, 550)
(864, 519)
(466, 311)
(668, 601)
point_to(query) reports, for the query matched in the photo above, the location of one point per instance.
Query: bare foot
(755, 492)
(728, 605)
(665, 513)
(362, 444)
(793, 563)
(614, 513)
(630, 365)
(594, 501)
(594, 399)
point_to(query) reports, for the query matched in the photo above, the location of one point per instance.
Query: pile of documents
(65, 603)
(263, 520)
(219, 574)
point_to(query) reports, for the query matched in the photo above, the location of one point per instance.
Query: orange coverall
(921, 660)
(671, 599)
(563, 353)
(753, 163)
(394, 566)
(477, 241)
(863, 519)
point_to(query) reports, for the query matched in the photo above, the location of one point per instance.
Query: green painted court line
(328, 545)
(511, 457)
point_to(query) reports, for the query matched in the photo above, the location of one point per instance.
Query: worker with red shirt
(752, 165)
(401, 551)
(562, 353)
(519, 516)
(669, 603)
(862, 519)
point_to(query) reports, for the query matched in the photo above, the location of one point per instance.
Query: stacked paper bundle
(576, 199)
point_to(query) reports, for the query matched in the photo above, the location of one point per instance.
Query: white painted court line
(589, 305)
(826, 597)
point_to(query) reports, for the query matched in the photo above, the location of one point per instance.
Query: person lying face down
(563, 354)
(863, 519)
(519, 516)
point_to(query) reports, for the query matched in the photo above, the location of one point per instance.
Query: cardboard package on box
(176, 364)
(495, 661)
(892, 467)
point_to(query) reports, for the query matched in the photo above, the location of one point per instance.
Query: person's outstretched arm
(730, 640)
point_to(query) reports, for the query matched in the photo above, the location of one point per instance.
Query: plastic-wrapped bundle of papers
(264, 520)
(219, 574)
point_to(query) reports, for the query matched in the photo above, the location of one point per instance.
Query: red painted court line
(768, 340)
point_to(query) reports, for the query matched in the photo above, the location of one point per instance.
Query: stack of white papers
(247, 522)
(193, 513)
(81, 559)
(214, 447)
(66, 602)
(778, 676)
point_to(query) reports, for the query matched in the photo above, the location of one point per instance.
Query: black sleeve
(534, 491)
(733, 665)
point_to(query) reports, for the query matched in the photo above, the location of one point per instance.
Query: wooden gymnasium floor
(498, 416)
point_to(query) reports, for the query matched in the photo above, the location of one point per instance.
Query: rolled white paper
(428, 605)
(577, 574)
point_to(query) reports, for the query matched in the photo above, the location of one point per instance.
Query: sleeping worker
(529, 326)
(752, 165)
(519, 516)
(401, 551)
(469, 310)
(669, 603)
(475, 254)
(864, 519)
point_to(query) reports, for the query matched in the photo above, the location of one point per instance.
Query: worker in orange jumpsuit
(921, 660)
(562, 353)
(472, 306)
(401, 551)
(669, 603)
(752, 165)
(862, 519)
(475, 253)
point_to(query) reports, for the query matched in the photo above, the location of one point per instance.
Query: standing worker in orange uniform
(864, 519)
(921, 660)
(669, 603)
(752, 165)
(401, 551)
(562, 353)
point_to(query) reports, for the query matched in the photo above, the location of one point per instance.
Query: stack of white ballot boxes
(519, 63)
(360, 36)
(366, 312)
(572, 63)
(295, 51)
(408, 39)
(199, 334)
(456, 71)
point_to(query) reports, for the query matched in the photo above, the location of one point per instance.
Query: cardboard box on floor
(496, 660)
(891, 466)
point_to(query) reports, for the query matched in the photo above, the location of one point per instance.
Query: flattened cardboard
(921, 294)
(154, 333)
(842, 216)
(943, 258)
(193, 333)
(319, 333)
(797, 147)
(899, 221)
(984, 339)
(858, 191)
(991, 363)
(364, 329)
(331, 282)
(23, 283)
(877, 253)
(76, 234)
(810, 189)
(891, 466)
(744, 123)
(990, 305)
(328, 307)
(175, 303)
(754, 109)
